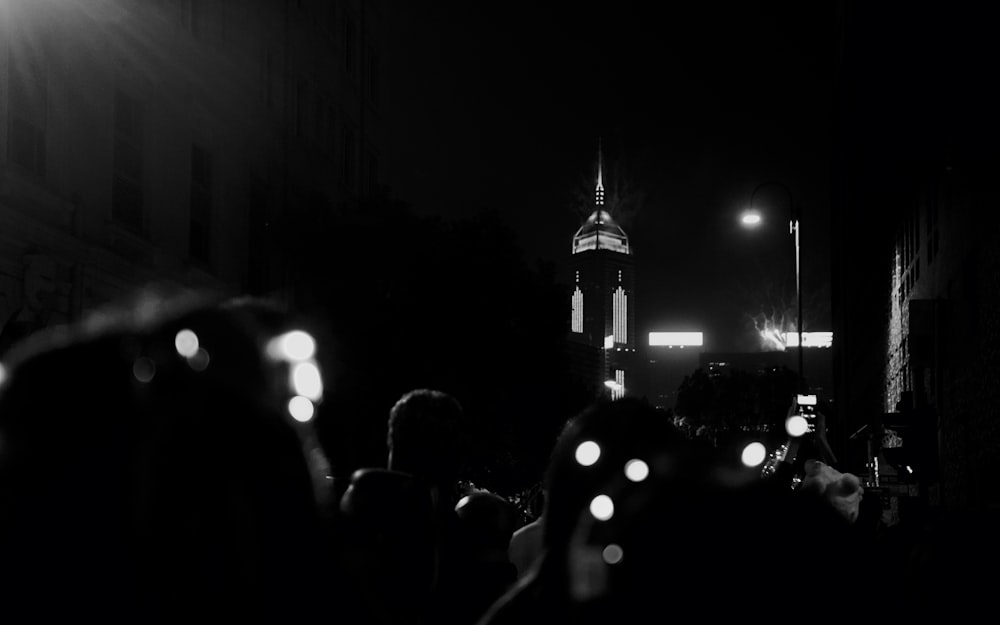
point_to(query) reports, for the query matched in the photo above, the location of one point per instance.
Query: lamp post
(751, 218)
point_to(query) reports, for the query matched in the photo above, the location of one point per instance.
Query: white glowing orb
(297, 346)
(796, 425)
(636, 470)
(602, 507)
(587, 453)
(750, 218)
(612, 554)
(754, 454)
(464, 501)
(301, 409)
(144, 369)
(186, 343)
(306, 380)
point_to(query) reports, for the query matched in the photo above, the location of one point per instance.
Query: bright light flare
(614, 385)
(301, 409)
(306, 380)
(186, 343)
(294, 346)
(750, 219)
(587, 453)
(796, 425)
(602, 507)
(636, 470)
(754, 454)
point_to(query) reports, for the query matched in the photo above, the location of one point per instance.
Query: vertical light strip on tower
(577, 310)
(619, 390)
(619, 313)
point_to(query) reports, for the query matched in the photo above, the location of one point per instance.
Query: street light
(752, 218)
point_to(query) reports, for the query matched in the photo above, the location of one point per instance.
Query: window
(350, 165)
(372, 175)
(301, 108)
(350, 43)
(27, 102)
(270, 79)
(373, 78)
(127, 181)
(330, 130)
(201, 204)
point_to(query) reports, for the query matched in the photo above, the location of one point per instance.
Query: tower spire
(599, 191)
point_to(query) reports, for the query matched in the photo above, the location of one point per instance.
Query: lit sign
(809, 339)
(675, 339)
(609, 341)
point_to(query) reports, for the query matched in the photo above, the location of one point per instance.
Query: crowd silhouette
(159, 463)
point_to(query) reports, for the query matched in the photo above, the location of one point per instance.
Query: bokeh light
(587, 453)
(144, 369)
(636, 470)
(754, 454)
(297, 346)
(186, 343)
(199, 361)
(612, 554)
(602, 507)
(301, 409)
(306, 380)
(796, 425)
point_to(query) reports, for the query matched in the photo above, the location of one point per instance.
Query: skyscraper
(603, 300)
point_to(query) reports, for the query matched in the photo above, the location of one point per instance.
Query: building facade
(175, 141)
(603, 302)
(915, 257)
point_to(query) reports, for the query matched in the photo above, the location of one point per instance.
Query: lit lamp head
(750, 218)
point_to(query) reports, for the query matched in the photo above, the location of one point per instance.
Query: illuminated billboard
(676, 339)
(809, 339)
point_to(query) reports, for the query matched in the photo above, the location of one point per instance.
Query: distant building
(817, 365)
(672, 356)
(603, 303)
(178, 141)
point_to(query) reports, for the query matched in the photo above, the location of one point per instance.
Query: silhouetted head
(151, 461)
(426, 430)
(604, 441)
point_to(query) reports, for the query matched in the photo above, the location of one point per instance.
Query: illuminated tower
(603, 301)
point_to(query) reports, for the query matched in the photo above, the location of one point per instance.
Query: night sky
(500, 106)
